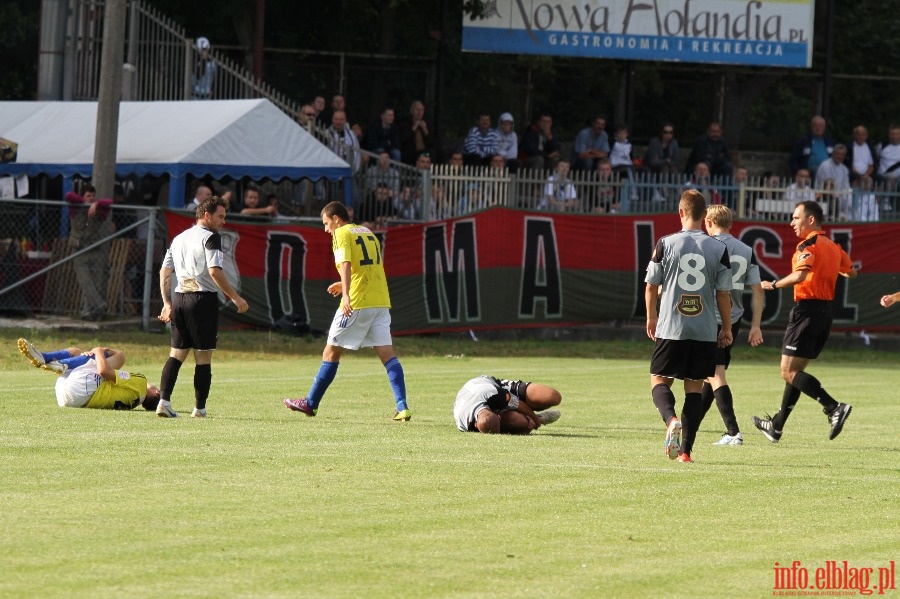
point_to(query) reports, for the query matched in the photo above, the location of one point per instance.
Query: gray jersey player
(744, 276)
(694, 272)
(490, 405)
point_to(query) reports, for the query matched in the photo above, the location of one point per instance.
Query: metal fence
(160, 60)
(38, 262)
(448, 191)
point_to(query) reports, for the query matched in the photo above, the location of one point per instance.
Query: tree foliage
(764, 108)
(18, 49)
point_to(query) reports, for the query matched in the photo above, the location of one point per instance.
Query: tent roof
(220, 138)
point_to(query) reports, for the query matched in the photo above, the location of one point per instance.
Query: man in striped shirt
(482, 142)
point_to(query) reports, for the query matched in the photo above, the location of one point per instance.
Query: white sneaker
(164, 411)
(729, 440)
(548, 416)
(34, 356)
(198, 413)
(55, 367)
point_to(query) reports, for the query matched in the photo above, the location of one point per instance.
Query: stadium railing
(453, 191)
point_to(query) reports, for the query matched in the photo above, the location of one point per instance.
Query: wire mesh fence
(44, 271)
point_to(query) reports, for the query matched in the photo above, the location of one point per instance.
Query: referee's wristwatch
(774, 283)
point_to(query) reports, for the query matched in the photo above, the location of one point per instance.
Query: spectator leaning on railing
(559, 192)
(204, 73)
(799, 190)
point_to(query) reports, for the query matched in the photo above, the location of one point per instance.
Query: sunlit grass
(258, 501)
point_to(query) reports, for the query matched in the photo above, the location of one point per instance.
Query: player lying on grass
(93, 379)
(490, 405)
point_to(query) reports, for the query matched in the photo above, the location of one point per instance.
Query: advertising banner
(504, 268)
(775, 33)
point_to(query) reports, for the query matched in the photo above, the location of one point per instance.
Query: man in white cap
(509, 141)
(204, 72)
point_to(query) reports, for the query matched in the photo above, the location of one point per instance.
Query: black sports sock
(808, 384)
(691, 415)
(664, 400)
(725, 403)
(202, 383)
(168, 378)
(707, 396)
(812, 387)
(789, 399)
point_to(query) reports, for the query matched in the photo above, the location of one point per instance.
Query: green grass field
(259, 501)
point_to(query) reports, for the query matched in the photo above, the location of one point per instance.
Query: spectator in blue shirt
(812, 149)
(591, 144)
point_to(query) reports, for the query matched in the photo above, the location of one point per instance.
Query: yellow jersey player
(93, 379)
(363, 318)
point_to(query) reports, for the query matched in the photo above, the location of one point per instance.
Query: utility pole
(110, 93)
(259, 34)
(825, 101)
(440, 68)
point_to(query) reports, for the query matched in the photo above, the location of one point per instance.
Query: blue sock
(320, 383)
(75, 362)
(60, 354)
(398, 384)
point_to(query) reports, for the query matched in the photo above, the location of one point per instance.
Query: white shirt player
(192, 254)
(481, 393)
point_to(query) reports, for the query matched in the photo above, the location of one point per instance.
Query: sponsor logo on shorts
(690, 305)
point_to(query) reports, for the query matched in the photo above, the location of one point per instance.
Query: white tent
(233, 138)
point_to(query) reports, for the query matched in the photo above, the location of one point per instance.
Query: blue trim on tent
(178, 173)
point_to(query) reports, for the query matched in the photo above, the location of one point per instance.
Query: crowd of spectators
(601, 170)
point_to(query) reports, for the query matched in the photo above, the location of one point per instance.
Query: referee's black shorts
(723, 354)
(195, 320)
(684, 359)
(808, 328)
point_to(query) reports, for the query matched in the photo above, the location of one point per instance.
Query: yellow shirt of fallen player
(360, 247)
(83, 387)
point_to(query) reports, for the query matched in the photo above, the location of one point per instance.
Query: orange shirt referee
(817, 262)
